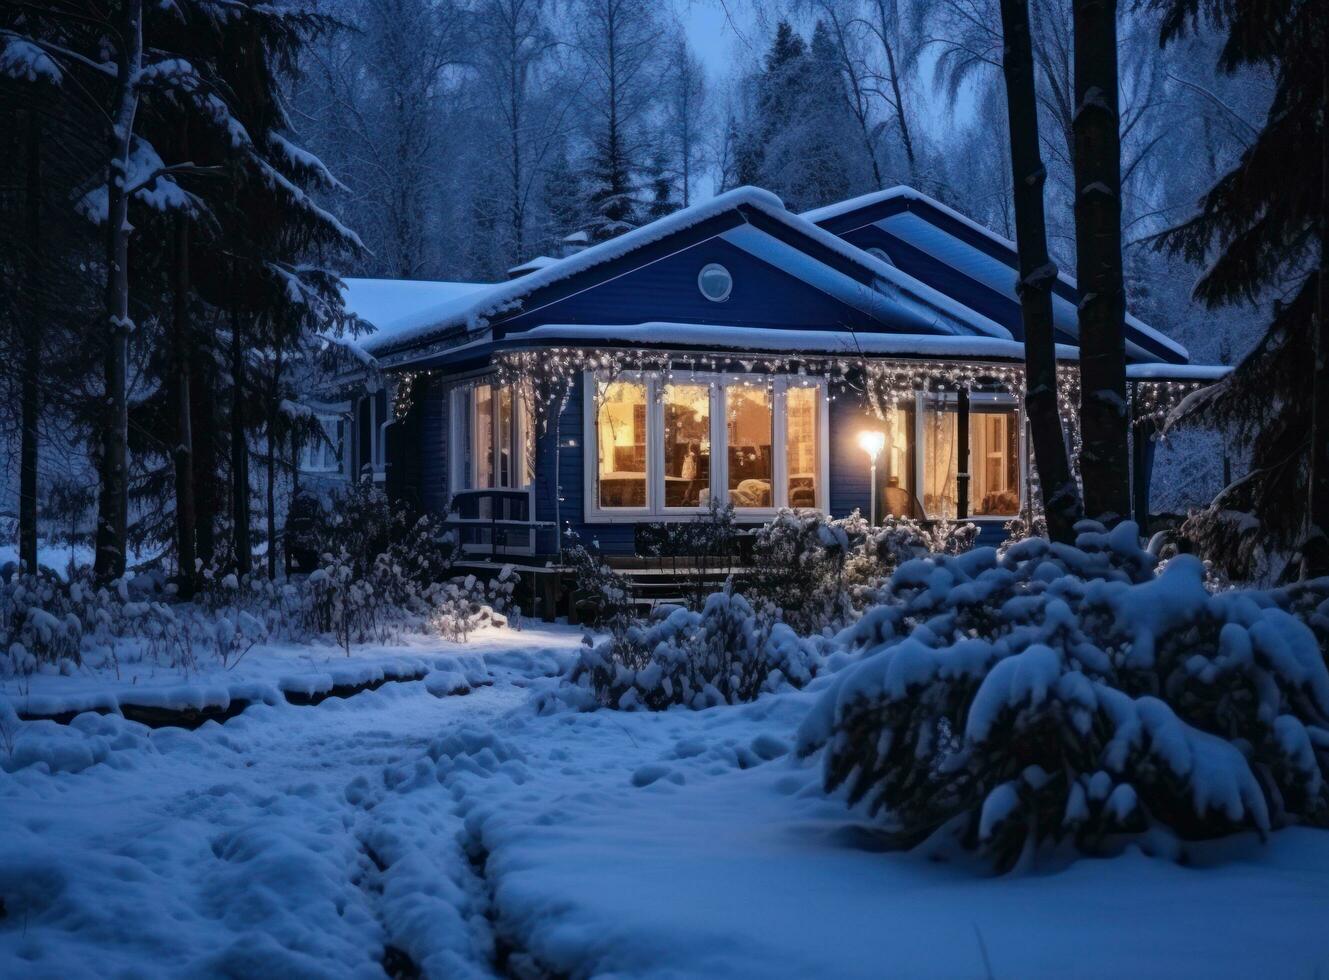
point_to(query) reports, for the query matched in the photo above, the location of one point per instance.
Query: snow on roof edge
(905, 191)
(772, 340)
(1176, 372)
(506, 295)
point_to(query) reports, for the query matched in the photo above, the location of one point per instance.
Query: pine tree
(1261, 229)
(564, 199)
(618, 40)
(663, 201)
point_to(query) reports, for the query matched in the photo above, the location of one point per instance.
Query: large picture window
(658, 446)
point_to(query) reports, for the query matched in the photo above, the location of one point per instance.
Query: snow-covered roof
(395, 306)
(911, 299)
(776, 340)
(1176, 372)
(539, 262)
(967, 259)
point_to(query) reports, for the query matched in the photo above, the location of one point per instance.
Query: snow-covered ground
(475, 836)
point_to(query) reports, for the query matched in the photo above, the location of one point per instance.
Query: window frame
(331, 451)
(462, 464)
(950, 400)
(729, 289)
(719, 383)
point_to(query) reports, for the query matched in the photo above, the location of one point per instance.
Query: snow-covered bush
(694, 549)
(799, 560)
(603, 596)
(723, 654)
(815, 573)
(48, 624)
(1056, 696)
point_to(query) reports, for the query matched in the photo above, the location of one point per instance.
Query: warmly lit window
(687, 445)
(621, 438)
(751, 435)
(994, 451)
(802, 432)
(496, 438)
(527, 432)
(895, 469)
(994, 459)
(655, 445)
(482, 437)
(940, 460)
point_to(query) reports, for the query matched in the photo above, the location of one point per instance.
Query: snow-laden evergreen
(1053, 695)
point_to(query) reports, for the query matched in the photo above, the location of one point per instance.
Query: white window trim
(325, 448)
(458, 462)
(921, 400)
(655, 511)
(729, 289)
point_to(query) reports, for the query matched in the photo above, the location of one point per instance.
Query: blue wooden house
(732, 352)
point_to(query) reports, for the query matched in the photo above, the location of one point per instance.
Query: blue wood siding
(857, 227)
(433, 406)
(565, 500)
(667, 290)
(850, 473)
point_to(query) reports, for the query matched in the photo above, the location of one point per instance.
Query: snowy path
(252, 848)
(472, 837)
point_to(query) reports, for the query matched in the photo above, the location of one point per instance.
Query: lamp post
(871, 441)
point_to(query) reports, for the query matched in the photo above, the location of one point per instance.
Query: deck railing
(500, 522)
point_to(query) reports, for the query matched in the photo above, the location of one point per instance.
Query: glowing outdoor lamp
(872, 441)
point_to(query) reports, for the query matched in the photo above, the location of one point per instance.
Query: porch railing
(500, 522)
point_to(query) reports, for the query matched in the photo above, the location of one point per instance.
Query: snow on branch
(27, 62)
(149, 181)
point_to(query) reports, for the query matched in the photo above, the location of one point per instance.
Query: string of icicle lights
(547, 376)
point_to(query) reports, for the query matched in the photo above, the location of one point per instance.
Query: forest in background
(472, 137)
(434, 139)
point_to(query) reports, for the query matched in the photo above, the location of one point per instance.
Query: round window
(880, 255)
(715, 282)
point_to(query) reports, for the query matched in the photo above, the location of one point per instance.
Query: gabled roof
(975, 251)
(821, 257)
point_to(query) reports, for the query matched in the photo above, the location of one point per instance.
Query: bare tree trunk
(1061, 500)
(31, 338)
(113, 498)
(1104, 456)
(290, 501)
(1315, 550)
(897, 93)
(183, 451)
(239, 452)
(272, 507)
(204, 464)
(274, 408)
